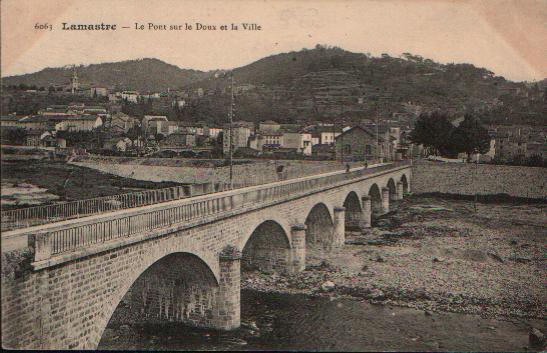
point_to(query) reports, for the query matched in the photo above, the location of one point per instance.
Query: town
(99, 120)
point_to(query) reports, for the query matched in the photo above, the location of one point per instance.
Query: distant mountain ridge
(144, 75)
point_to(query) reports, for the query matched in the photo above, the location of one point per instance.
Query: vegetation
(436, 132)
(314, 84)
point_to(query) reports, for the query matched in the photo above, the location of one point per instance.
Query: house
(268, 125)
(153, 123)
(170, 127)
(179, 140)
(98, 92)
(40, 138)
(361, 144)
(130, 96)
(321, 135)
(37, 122)
(300, 141)
(212, 131)
(240, 134)
(121, 123)
(120, 144)
(198, 128)
(77, 123)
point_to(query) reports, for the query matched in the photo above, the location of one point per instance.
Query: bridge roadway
(179, 260)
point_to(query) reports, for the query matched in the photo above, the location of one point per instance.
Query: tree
(15, 136)
(470, 137)
(433, 130)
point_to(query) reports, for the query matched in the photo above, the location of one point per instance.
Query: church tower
(74, 85)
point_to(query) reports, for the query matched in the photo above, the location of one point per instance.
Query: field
(26, 183)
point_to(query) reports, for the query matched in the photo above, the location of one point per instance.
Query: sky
(508, 37)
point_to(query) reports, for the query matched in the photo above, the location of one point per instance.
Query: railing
(64, 239)
(26, 217)
(36, 215)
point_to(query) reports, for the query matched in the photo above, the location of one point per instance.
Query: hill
(327, 82)
(323, 83)
(143, 75)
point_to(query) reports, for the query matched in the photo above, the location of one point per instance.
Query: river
(272, 321)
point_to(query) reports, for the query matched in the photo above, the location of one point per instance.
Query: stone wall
(482, 179)
(254, 172)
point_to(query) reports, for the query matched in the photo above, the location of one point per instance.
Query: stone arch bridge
(177, 260)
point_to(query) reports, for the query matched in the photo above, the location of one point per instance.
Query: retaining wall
(256, 171)
(482, 179)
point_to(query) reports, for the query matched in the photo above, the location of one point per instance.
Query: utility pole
(377, 139)
(231, 128)
(341, 137)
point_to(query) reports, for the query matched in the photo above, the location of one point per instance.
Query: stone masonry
(190, 275)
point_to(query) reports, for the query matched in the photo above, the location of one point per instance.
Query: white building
(78, 123)
(130, 96)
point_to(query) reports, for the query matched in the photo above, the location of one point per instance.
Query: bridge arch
(319, 225)
(392, 189)
(267, 248)
(354, 211)
(375, 200)
(404, 180)
(165, 289)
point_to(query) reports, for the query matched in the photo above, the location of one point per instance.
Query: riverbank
(434, 255)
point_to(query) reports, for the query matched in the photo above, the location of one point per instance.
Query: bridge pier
(400, 189)
(227, 314)
(366, 216)
(339, 236)
(385, 200)
(298, 250)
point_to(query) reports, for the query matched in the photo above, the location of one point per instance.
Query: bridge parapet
(58, 243)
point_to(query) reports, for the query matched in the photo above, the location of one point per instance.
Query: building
(74, 84)
(121, 123)
(120, 144)
(178, 140)
(37, 122)
(300, 141)
(152, 124)
(361, 144)
(239, 134)
(130, 96)
(514, 142)
(98, 92)
(40, 138)
(10, 121)
(212, 131)
(322, 135)
(77, 123)
(268, 125)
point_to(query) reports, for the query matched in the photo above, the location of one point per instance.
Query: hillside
(320, 84)
(323, 83)
(143, 75)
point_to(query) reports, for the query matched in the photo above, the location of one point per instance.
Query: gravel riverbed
(437, 255)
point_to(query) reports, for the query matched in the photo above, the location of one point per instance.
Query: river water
(273, 321)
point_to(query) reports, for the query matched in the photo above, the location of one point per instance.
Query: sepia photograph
(274, 175)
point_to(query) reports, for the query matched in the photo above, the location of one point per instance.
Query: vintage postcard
(249, 175)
